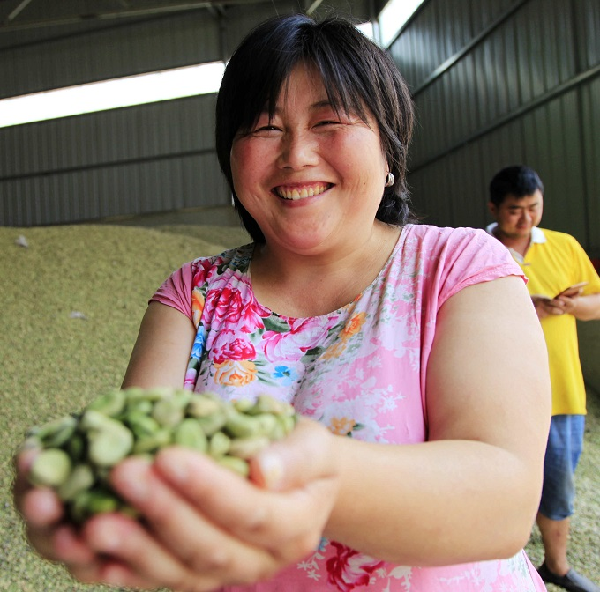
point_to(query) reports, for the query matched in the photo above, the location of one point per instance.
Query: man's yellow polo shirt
(554, 261)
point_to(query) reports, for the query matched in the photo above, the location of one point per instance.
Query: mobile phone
(535, 297)
(572, 290)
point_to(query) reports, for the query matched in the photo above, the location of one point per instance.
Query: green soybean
(78, 452)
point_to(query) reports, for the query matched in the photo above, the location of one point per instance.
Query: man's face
(516, 216)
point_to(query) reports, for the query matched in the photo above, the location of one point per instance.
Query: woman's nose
(298, 150)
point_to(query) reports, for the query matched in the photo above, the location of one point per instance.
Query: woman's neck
(301, 286)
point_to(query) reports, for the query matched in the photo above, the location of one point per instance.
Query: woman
(418, 344)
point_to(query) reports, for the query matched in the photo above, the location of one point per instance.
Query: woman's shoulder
(450, 238)
(447, 259)
(445, 232)
(456, 250)
(237, 258)
(205, 269)
(227, 256)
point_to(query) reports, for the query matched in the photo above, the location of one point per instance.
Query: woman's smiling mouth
(301, 191)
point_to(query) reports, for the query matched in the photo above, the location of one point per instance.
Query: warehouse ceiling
(23, 20)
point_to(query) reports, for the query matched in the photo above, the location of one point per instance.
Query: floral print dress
(360, 370)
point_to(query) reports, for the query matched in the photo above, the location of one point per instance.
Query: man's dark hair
(359, 78)
(519, 181)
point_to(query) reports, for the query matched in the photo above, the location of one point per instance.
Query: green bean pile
(78, 451)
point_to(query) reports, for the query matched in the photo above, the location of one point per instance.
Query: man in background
(564, 286)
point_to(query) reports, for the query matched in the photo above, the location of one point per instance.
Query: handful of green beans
(78, 451)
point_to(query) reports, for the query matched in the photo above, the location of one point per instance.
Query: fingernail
(271, 469)
(107, 541)
(136, 480)
(175, 468)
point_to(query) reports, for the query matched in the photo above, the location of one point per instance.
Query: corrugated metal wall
(505, 82)
(156, 157)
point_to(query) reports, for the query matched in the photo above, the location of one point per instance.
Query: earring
(389, 179)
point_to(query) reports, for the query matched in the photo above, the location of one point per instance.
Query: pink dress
(360, 370)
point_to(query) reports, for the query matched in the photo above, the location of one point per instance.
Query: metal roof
(32, 20)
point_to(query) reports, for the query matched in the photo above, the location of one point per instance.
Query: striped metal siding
(72, 56)
(522, 87)
(440, 30)
(151, 158)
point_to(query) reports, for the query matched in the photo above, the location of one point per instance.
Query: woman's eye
(321, 123)
(265, 129)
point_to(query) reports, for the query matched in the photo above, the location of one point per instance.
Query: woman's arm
(162, 350)
(472, 491)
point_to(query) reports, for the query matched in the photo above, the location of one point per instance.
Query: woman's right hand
(43, 513)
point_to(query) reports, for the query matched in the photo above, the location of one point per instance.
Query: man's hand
(540, 302)
(562, 304)
(565, 303)
(583, 307)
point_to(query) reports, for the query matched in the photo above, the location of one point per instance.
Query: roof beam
(10, 25)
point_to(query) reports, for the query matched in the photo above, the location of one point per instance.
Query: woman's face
(311, 179)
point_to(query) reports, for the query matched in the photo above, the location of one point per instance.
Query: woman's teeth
(300, 192)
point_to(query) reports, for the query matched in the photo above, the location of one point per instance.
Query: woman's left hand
(205, 527)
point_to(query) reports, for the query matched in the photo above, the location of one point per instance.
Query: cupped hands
(202, 526)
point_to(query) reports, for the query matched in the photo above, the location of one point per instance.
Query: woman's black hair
(359, 77)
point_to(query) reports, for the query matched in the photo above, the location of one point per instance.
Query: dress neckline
(342, 309)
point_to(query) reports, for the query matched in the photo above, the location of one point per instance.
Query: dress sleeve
(471, 256)
(176, 291)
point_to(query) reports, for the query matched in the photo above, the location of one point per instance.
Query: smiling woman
(411, 352)
(299, 176)
(361, 86)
